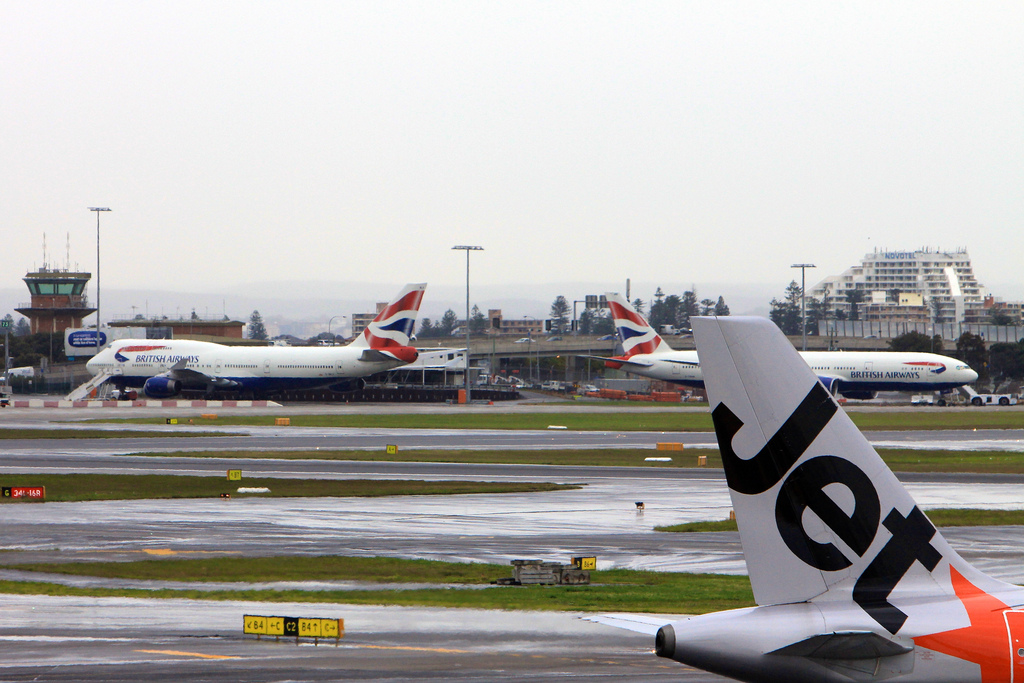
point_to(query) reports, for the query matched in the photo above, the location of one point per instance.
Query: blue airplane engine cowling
(161, 387)
(831, 383)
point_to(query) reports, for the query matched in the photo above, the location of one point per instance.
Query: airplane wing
(640, 623)
(190, 377)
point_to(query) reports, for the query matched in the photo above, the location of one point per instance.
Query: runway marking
(409, 648)
(160, 551)
(179, 653)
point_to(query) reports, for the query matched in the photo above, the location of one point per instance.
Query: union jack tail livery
(636, 335)
(393, 326)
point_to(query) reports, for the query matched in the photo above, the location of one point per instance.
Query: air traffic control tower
(58, 300)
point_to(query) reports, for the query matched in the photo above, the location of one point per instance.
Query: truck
(977, 399)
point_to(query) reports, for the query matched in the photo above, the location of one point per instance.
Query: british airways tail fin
(820, 514)
(393, 326)
(635, 334)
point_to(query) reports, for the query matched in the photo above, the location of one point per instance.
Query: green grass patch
(899, 460)
(652, 421)
(945, 517)
(85, 487)
(936, 460)
(940, 517)
(611, 590)
(697, 527)
(306, 568)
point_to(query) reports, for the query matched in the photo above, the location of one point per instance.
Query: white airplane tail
(821, 517)
(635, 333)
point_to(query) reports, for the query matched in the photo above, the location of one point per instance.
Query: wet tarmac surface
(600, 519)
(116, 639)
(94, 639)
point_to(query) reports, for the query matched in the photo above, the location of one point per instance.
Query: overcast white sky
(669, 142)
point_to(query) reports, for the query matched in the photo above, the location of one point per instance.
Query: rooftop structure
(185, 328)
(944, 281)
(58, 299)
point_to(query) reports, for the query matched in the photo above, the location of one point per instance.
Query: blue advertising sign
(86, 338)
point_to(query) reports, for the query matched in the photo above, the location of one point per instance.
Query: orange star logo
(985, 641)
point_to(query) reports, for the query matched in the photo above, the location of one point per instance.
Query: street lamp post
(467, 249)
(803, 297)
(99, 318)
(329, 325)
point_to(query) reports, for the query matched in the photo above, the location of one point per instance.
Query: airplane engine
(348, 385)
(161, 387)
(859, 395)
(831, 383)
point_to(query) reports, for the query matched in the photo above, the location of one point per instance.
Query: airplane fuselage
(131, 363)
(867, 371)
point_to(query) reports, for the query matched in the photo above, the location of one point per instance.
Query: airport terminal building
(924, 285)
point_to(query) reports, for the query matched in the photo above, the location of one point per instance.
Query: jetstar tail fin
(821, 517)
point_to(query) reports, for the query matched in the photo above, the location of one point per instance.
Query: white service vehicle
(989, 399)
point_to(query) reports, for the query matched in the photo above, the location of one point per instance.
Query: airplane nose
(971, 375)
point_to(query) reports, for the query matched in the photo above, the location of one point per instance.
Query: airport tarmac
(599, 519)
(119, 639)
(69, 638)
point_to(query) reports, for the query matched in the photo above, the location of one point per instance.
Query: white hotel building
(938, 285)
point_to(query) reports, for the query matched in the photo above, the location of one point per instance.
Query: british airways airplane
(163, 368)
(851, 579)
(851, 374)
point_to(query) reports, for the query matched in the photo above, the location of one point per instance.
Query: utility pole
(803, 297)
(467, 249)
(98, 209)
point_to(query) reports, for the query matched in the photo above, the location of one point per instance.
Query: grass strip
(938, 460)
(899, 460)
(706, 594)
(611, 590)
(657, 421)
(940, 517)
(89, 487)
(306, 568)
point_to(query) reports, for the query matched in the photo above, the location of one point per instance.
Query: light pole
(329, 325)
(529, 350)
(803, 297)
(467, 249)
(98, 209)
